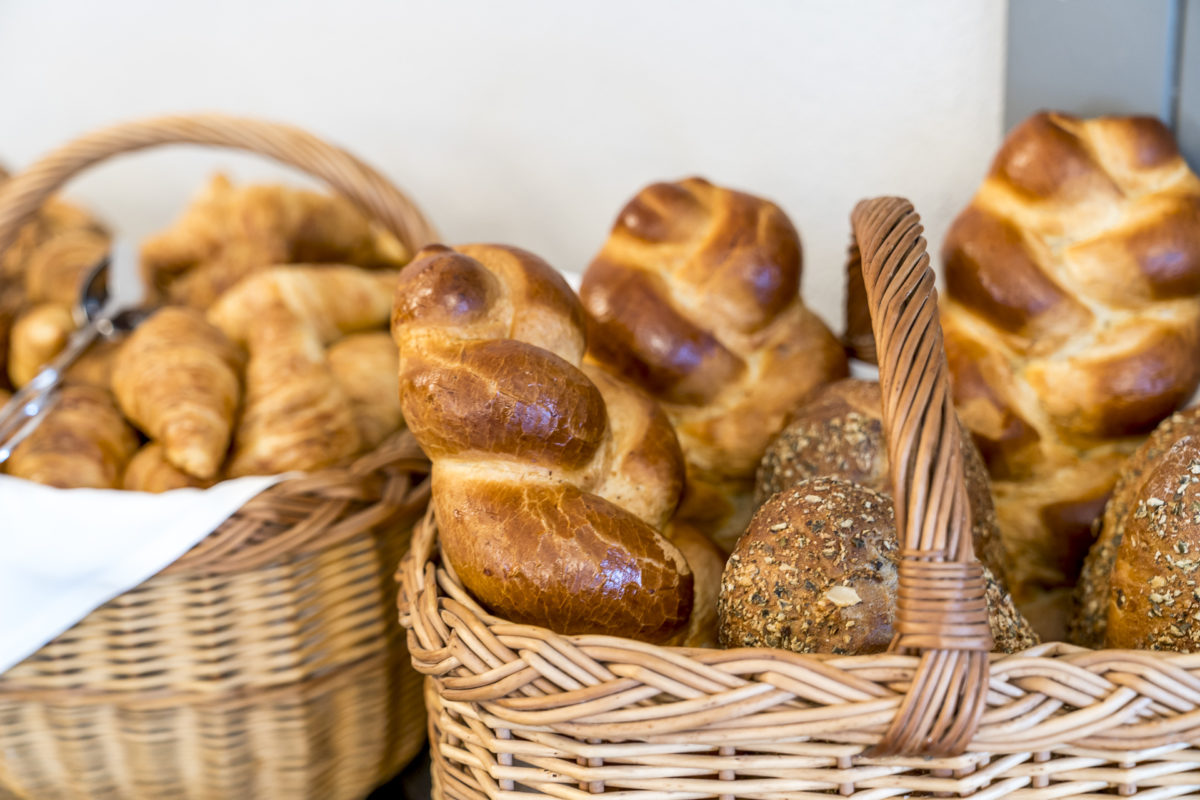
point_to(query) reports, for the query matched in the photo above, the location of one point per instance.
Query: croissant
(696, 297)
(365, 365)
(45, 263)
(37, 337)
(150, 471)
(1072, 322)
(95, 366)
(551, 482)
(295, 416)
(332, 300)
(228, 233)
(54, 271)
(177, 379)
(83, 442)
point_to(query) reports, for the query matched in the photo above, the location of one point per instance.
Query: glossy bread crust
(552, 480)
(695, 296)
(1072, 320)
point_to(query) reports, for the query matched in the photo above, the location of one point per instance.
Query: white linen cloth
(65, 552)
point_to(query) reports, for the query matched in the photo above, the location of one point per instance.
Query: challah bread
(1072, 321)
(550, 482)
(838, 433)
(1137, 590)
(707, 562)
(817, 571)
(696, 297)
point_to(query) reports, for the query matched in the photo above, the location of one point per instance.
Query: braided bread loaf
(1072, 321)
(696, 297)
(550, 481)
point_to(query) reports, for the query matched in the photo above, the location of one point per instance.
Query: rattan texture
(267, 662)
(518, 710)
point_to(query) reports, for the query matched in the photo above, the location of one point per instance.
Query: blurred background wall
(532, 121)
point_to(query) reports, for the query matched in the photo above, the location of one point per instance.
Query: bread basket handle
(23, 194)
(941, 610)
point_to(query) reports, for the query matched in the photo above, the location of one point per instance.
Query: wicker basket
(265, 663)
(516, 709)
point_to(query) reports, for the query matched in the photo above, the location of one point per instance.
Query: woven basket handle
(941, 611)
(23, 194)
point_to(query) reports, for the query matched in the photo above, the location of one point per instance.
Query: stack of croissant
(269, 351)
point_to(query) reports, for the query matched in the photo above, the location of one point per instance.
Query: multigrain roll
(1138, 587)
(839, 433)
(817, 572)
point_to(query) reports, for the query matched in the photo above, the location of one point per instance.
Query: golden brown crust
(332, 300)
(817, 572)
(295, 414)
(550, 482)
(621, 576)
(695, 297)
(38, 335)
(366, 367)
(706, 562)
(149, 471)
(45, 263)
(83, 442)
(1072, 320)
(178, 379)
(229, 233)
(495, 390)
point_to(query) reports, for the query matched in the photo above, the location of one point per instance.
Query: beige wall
(532, 121)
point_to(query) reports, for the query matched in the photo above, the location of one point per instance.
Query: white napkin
(65, 552)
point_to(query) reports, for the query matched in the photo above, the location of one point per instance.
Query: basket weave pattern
(265, 663)
(516, 709)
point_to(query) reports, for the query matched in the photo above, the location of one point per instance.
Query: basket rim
(513, 677)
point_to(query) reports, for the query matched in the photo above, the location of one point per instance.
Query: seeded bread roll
(839, 433)
(817, 572)
(1138, 587)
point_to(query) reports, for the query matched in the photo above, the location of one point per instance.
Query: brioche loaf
(1072, 321)
(839, 433)
(696, 297)
(551, 482)
(817, 572)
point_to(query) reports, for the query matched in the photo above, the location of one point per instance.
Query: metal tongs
(21, 415)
